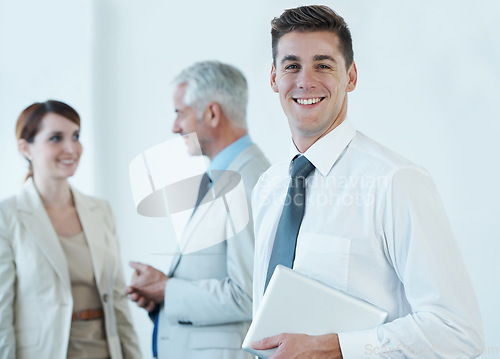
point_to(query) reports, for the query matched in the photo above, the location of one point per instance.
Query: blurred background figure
(60, 270)
(202, 306)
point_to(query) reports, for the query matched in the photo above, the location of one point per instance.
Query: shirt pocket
(324, 258)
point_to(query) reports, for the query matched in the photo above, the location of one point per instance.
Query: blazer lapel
(187, 233)
(186, 236)
(37, 223)
(198, 233)
(193, 223)
(91, 218)
(199, 216)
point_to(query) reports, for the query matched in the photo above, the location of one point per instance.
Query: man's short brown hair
(312, 18)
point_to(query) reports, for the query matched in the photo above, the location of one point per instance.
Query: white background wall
(427, 88)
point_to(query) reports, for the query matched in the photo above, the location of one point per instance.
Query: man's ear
(353, 77)
(24, 148)
(274, 85)
(213, 114)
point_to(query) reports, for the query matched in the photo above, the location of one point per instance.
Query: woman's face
(56, 149)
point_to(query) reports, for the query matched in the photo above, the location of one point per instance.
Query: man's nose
(176, 128)
(306, 79)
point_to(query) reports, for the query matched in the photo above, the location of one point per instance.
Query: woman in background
(61, 278)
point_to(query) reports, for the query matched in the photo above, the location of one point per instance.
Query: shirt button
(105, 298)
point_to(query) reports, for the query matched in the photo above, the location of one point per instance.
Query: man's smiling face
(312, 81)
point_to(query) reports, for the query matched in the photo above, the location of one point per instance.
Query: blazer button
(105, 298)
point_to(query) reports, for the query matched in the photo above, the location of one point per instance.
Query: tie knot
(301, 167)
(205, 180)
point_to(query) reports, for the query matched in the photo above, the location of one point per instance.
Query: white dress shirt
(375, 228)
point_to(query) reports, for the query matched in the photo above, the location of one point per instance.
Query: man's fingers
(138, 266)
(150, 306)
(142, 302)
(128, 290)
(134, 297)
(267, 343)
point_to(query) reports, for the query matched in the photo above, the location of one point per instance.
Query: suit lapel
(214, 211)
(182, 234)
(189, 229)
(91, 218)
(191, 226)
(173, 265)
(193, 223)
(37, 223)
(199, 216)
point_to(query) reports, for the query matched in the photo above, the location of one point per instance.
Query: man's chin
(194, 151)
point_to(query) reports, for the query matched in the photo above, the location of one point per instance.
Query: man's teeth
(310, 101)
(67, 162)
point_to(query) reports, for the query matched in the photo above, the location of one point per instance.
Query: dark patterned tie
(289, 224)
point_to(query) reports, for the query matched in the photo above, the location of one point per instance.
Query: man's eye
(76, 136)
(324, 66)
(56, 138)
(291, 67)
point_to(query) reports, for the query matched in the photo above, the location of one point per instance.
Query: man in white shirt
(374, 225)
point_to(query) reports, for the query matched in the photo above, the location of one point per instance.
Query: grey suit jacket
(36, 303)
(208, 299)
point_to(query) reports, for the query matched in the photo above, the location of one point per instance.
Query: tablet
(295, 303)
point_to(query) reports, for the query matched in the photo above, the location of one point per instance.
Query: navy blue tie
(285, 240)
(154, 315)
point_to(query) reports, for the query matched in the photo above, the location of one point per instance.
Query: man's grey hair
(213, 81)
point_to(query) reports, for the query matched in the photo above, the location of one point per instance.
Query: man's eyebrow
(289, 58)
(324, 57)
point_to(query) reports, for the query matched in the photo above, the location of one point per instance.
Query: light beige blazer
(35, 289)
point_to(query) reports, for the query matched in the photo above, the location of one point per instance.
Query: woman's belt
(88, 314)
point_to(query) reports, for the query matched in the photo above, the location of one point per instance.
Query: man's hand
(301, 346)
(147, 287)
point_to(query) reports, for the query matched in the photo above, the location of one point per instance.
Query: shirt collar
(228, 154)
(325, 152)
